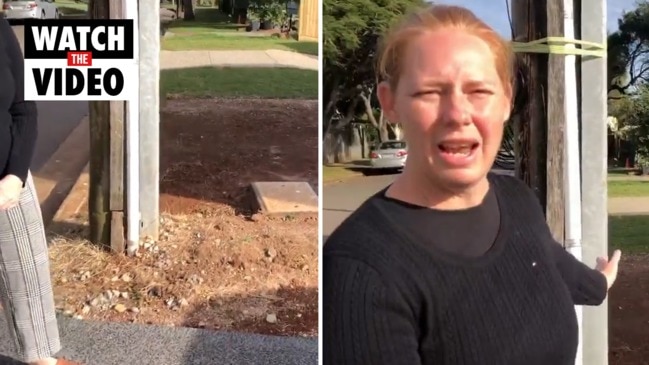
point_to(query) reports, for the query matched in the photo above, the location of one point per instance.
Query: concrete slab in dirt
(282, 197)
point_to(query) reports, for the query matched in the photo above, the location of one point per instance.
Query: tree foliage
(631, 121)
(628, 51)
(352, 29)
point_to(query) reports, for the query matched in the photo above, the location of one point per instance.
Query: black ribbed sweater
(389, 299)
(18, 117)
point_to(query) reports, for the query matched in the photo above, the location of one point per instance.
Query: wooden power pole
(539, 125)
(556, 123)
(540, 128)
(106, 190)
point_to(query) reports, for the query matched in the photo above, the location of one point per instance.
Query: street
(56, 120)
(105, 343)
(339, 200)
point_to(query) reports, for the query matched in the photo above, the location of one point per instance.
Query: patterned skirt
(25, 285)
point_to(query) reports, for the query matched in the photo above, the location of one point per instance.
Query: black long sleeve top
(18, 117)
(391, 296)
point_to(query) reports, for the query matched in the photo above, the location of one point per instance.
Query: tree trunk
(380, 125)
(188, 8)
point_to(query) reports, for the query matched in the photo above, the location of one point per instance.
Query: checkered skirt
(25, 285)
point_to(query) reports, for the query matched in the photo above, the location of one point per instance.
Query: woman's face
(452, 106)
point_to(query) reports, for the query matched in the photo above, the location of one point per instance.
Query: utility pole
(594, 166)
(106, 190)
(530, 23)
(149, 38)
(556, 124)
(547, 88)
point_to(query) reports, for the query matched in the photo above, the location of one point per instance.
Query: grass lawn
(213, 30)
(628, 188)
(337, 173)
(629, 234)
(275, 83)
(215, 41)
(71, 7)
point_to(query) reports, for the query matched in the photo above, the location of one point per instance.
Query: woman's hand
(10, 188)
(609, 268)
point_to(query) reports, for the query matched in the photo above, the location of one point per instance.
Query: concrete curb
(71, 205)
(56, 178)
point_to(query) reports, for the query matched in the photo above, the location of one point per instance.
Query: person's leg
(25, 285)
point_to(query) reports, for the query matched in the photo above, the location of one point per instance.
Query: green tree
(628, 51)
(631, 121)
(352, 29)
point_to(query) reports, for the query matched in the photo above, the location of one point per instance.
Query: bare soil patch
(218, 264)
(629, 313)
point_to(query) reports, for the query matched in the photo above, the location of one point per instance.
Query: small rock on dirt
(271, 253)
(271, 318)
(119, 308)
(195, 279)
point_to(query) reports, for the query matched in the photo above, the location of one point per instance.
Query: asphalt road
(93, 343)
(56, 120)
(340, 200)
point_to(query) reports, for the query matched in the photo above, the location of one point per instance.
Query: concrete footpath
(98, 343)
(628, 206)
(268, 58)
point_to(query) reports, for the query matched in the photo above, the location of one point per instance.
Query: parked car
(25, 9)
(389, 155)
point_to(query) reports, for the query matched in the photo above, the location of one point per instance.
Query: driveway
(56, 120)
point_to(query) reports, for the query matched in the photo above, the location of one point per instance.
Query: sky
(494, 12)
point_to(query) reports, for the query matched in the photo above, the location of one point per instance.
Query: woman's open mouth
(458, 153)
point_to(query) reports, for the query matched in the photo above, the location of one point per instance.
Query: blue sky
(494, 12)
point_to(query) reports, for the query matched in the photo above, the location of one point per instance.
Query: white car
(25, 9)
(389, 155)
